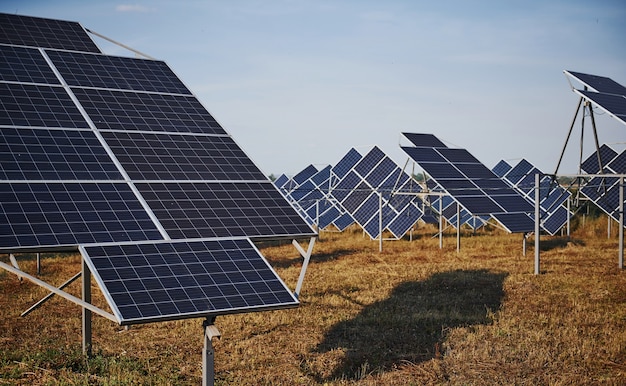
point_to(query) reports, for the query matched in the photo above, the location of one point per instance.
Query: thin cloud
(132, 8)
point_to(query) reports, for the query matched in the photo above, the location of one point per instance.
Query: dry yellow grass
(411, 315)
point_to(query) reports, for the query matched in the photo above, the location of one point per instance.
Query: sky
(299, 82)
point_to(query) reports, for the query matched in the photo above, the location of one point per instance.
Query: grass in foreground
(413, 314)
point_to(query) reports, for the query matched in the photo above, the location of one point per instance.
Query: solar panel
(613, 104)
(164, 156)
(47, 33)
(222, 209)
(125, 110)
(53, 215)
(472, 184)
(599, 83)
(424, 140)
(38, 106)
(115, 72)
(114, 156)
(21, 64)
(52, 154)
(150, 282)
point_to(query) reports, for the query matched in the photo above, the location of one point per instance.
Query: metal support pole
(458, 227)
(380, 222)
(440, 223)
(208, 353)
(86, 275)
(537, 213)
(621, 223)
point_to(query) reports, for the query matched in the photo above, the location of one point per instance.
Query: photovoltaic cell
(222, 209)
(149, 282)
(47, 33)
(125, 110)
(53, 154)
(424, 140)
(68, 214)
(20, 64)
(116, 72)
(39, 106)
(163, 156)
(599, 83)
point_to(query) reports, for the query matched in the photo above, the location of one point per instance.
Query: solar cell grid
(369, 161)
(38, 106)
(222, 209)
(424, 140)
(591, 164)
(346, 163)
(27, 65)
(39, 32)
(115, 72)
(42, 154)
(174, 280)
(67, 214)
(124, 110)
(163, 156)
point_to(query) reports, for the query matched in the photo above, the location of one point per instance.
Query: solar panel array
(476, 188)
(604, 191)
(377, 193)
(604, 92)
(552, 197)
(370, 190)
(106, 149)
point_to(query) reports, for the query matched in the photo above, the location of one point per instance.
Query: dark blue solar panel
(40, 106)
(424, 154)
(613, 104)
(19, 64)
(48, 33)
(456, 156)
(519, 171)
(199, 210)
(161, 156)
(123, 110)
(599, 83)
(515, 222)
(591, 165)
(384, 169)
(501, 168)
(346, 163)
(115, 72)
(369, 161)
(174, 280)
(67, 214)
(441, 171)
(618, 164)
(344, 221)
(43, 154)
(424, 140)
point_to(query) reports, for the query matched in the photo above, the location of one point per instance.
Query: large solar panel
(148, 282)
(116, 157)
(476, 188)
(47, 33)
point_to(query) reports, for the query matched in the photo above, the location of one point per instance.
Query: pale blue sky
(300, 82)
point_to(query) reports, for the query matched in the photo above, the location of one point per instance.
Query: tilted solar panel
(149, 282)
(47, 33)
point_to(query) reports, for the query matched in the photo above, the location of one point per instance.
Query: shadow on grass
(411, 324)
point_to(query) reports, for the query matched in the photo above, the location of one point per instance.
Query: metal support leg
(86, 274)
(208, 354)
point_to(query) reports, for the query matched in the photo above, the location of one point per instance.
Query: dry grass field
(411, 315)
